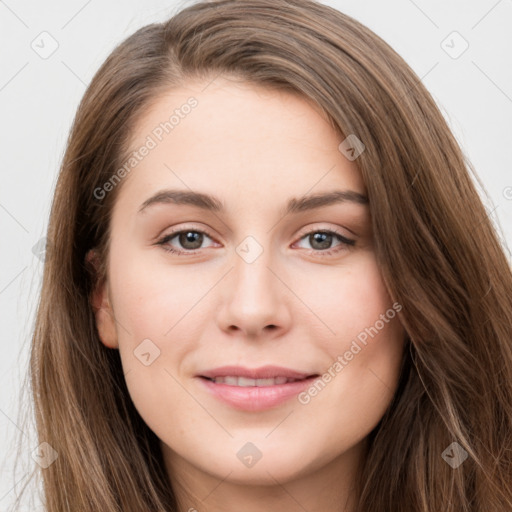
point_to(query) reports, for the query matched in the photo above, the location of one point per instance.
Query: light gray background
(38, 98)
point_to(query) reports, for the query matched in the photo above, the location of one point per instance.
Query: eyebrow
(294, 205)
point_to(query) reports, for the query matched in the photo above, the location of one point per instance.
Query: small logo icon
(249, 249)
(146, 352)
(249, 454)
(41, 249)
(44, 455)
(455, 455)
(454, 45)
(45, 45)
(351, 147)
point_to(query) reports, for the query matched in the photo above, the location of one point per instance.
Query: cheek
(153, 305)
(351, 301)
(151, 300)
(364, 344)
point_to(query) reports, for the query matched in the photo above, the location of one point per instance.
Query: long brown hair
(438, 251)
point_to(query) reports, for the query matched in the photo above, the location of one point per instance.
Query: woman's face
(262, 276)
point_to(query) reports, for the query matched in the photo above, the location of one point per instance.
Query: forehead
(239, 140)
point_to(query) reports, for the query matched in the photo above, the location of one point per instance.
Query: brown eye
(189, 240)
(321, 242)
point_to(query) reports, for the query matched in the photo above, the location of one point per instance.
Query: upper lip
(264, 372)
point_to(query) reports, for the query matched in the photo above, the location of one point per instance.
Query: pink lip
(254, 398)
(264, 372)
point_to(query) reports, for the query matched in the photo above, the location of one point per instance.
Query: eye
(190, 240)
(321, 242)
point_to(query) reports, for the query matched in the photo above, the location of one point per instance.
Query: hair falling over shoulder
(439, 253)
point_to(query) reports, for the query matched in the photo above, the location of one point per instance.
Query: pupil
(191, 236)
(323, 238)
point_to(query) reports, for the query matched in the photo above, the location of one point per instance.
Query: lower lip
(254, 398)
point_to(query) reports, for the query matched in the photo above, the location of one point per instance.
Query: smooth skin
(253, 149)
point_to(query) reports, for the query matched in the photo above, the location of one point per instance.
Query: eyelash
(346, 243)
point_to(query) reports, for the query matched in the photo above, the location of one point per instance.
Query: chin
(275, 466)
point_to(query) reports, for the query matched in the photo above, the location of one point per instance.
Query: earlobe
(105, 321)
(103, 312)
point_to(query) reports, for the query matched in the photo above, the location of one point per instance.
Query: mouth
(244, 382)
(255, 390)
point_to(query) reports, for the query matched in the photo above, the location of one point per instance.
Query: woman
(368, 370)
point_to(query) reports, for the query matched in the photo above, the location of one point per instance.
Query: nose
(255, 298)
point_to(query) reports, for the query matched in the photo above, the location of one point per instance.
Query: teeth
(246, 382)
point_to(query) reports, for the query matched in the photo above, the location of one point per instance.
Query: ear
(100, 302)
